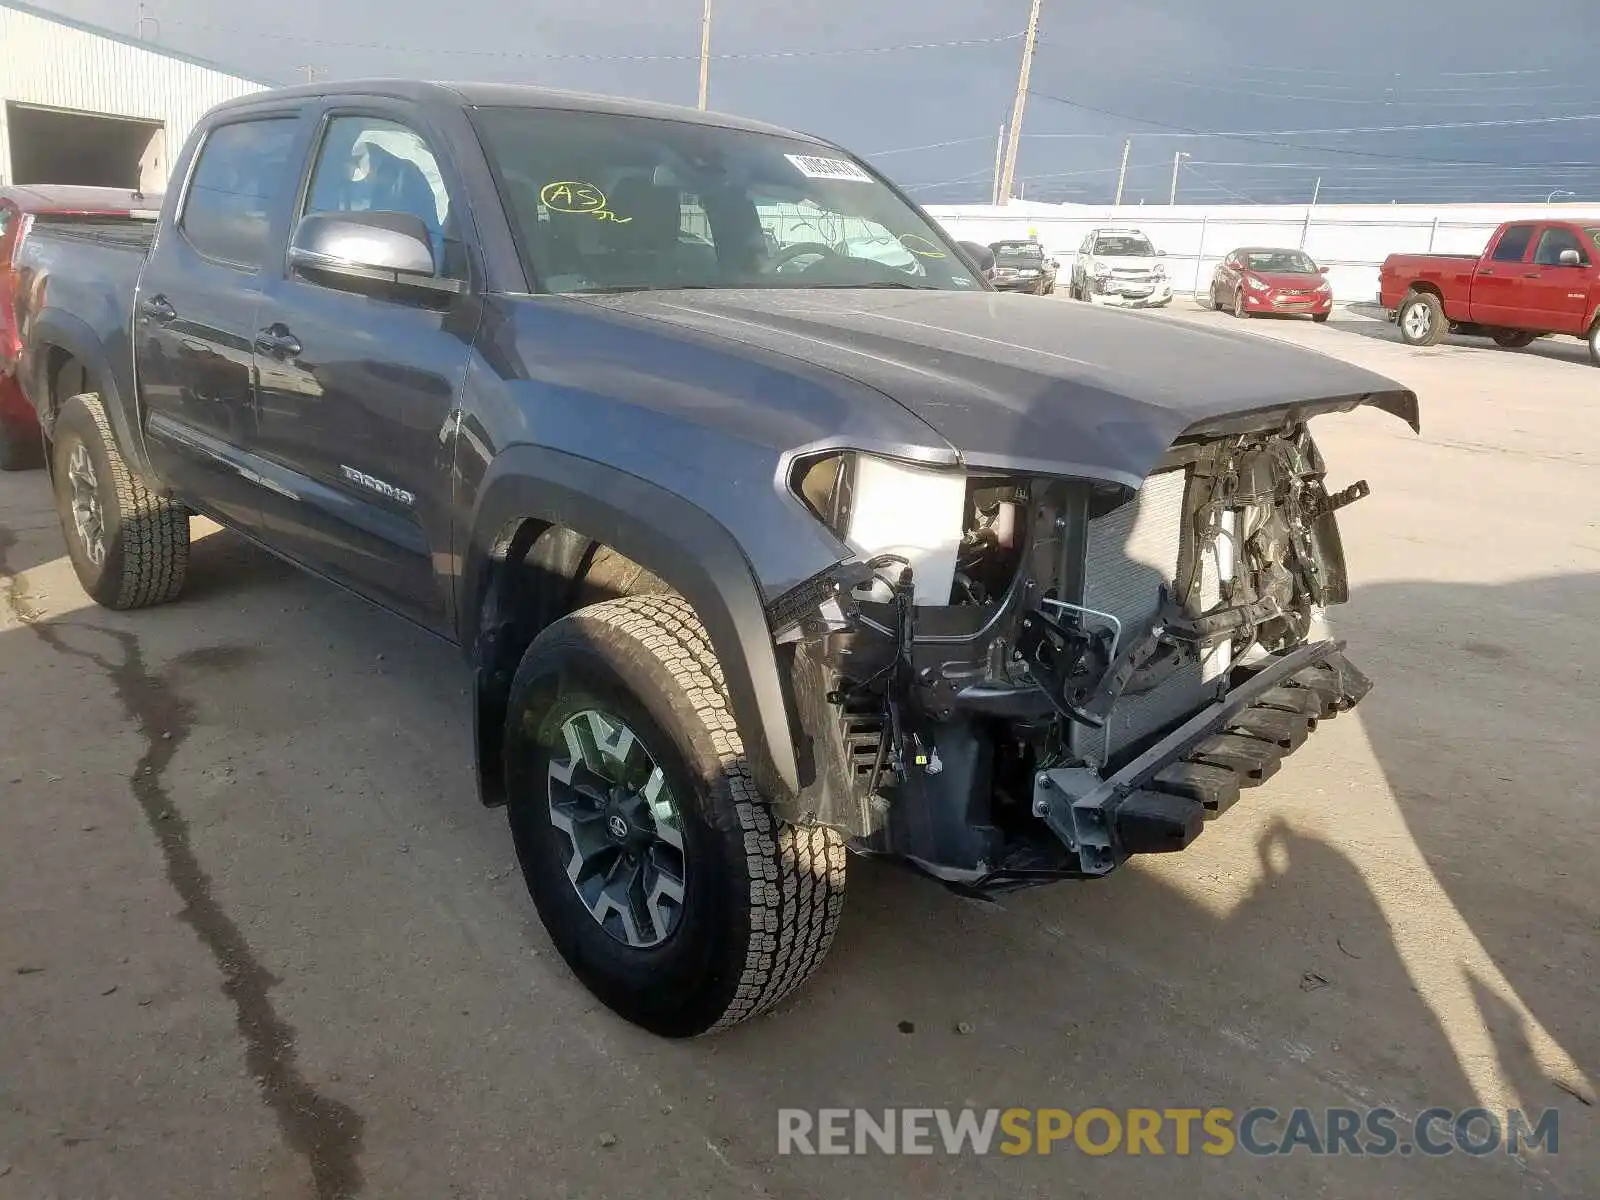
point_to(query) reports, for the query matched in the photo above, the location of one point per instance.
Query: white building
(84, 105)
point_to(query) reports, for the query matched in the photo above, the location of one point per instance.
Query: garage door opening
(50, 145)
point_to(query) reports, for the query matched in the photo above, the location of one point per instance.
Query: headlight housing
(1324, 286)
(1160, 271)
(1256, 285)
(1102, 271)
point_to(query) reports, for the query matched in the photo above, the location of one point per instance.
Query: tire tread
(796, 873)
(154, 529)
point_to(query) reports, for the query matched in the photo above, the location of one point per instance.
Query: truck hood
(1015, 383)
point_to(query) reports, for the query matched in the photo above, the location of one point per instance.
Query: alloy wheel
(620, 823)
(1418, 321)
(88, 516)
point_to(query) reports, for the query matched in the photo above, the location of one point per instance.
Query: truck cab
(1534, 278)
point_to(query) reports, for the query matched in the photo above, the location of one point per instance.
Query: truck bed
(88, 266)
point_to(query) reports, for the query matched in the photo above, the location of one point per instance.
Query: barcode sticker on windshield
(815, 167)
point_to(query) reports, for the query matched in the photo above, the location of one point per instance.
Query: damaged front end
(1029, 678)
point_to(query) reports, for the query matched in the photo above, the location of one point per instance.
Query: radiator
(1130, 553)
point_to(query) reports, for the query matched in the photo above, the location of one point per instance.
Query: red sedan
(1260, 279)
(20, 444)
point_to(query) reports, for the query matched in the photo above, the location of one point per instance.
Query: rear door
(1557, 294)
(1498, 285)
(195, 315)
(357, 425)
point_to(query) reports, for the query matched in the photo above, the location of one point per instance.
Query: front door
(1557, 295)
(358, 386)
(1498, 282)
(195, 319)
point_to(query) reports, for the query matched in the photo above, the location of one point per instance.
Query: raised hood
(1017, 383)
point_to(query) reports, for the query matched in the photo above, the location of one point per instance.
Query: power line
(1271, 140)
(544, 56)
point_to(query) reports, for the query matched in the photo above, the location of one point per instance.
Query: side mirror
(1571, 258)
(1161, 253)
(369, 247)
(980, 256)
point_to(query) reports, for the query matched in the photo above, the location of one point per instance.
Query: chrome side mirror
(368, 247)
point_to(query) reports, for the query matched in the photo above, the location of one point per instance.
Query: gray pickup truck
(768, 528)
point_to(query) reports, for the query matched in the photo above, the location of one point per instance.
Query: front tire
(1320, 318)
(749, 905)
(129, 544)
(1421, 320)
(1238, 304)
(1594, 343)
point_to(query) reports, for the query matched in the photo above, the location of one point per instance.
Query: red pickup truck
(1534, 278)
(20, 208)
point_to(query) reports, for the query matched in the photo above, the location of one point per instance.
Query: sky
(1419, 101)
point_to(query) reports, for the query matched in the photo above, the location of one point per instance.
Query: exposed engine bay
(1004, 631)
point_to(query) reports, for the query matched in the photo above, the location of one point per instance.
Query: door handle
(277, 342)
(1533, 275)
(1486, 271)
(159, 308)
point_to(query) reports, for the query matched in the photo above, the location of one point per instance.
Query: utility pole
(705, 52)
(1177, 158)
(1122, 172)
(999, 155)
(312, 73)
(1028, 45)
(1316, 190)
(146, 18)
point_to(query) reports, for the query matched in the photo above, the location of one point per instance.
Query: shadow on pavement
(1278, 961)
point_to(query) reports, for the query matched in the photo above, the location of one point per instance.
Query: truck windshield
(601, 202)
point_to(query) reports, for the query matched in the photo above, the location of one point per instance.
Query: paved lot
(257, 938)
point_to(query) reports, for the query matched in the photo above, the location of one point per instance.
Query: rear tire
(758, 901)
(129, 544)
(1513, 339)
(1421, 320)
(21, 446)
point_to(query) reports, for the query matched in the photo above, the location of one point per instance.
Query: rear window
(228, 210)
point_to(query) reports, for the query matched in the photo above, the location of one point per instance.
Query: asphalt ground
(258, 939)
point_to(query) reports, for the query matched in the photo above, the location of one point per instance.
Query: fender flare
(55, 329)
(683, 544)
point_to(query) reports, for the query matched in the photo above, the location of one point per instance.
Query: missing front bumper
(1160, 801)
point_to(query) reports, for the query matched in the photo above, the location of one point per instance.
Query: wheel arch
(57, 340)
(544, 520)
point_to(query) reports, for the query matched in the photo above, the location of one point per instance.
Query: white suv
(1120, 266)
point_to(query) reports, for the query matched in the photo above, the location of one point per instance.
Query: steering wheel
(788, 254)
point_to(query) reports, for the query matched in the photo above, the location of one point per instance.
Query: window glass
(1552, 242)
(228, 210)
(367, 164)
(1124, 245)
(1282, 262)
(1513, 244)
(606, 202)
